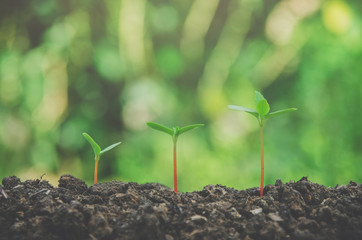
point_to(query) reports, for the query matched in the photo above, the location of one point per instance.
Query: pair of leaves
(262, 109)
(96, 148)
(175, 131)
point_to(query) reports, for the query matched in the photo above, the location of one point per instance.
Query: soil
(34, 209)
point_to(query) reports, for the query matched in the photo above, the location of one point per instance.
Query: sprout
(98, 152)
(175, 132)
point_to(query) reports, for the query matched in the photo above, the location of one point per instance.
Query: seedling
(98, 152)
(262, 114)
(175, 132)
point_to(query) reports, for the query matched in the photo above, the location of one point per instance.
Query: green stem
(262, 161)
(174, 166)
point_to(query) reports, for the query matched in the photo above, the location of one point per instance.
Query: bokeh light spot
(169, 61)
(165, 18)
(337, 17)
(108, 62)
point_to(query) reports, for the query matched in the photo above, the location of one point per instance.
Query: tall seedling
(175, 132)
(262, 114)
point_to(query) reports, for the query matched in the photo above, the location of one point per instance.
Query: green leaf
(258, 97)
(94, 145)
(161, 128)
(263, 107)
(273, 114)
(109, 148)
(188, 128)
(248, 110)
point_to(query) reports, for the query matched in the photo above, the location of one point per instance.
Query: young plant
(98, 152)
(175, 132)
(262, 114)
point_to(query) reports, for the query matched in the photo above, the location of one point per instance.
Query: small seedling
(98, 152)
(262, 114)
(175, 132)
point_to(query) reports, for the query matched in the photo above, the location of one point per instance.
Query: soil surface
(34, 209)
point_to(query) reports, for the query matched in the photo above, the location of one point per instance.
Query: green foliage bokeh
(108, 67)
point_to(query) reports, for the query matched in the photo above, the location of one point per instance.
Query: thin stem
(96, 170)
(262, 161)
(174, 167)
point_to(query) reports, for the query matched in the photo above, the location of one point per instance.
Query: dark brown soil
(117, 210)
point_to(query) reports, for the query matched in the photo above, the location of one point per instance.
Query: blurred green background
(107, 67)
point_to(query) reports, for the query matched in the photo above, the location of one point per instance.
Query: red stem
(95, 172)
(174, 168)
(262, 162)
